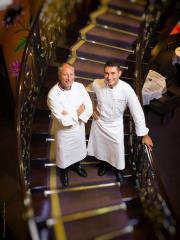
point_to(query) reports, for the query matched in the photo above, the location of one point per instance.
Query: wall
(9, 39)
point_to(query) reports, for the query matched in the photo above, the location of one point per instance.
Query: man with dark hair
(70, 107)
(106, 141)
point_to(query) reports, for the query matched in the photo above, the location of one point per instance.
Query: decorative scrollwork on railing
(49, 24)
(155, 206)
(155, 9)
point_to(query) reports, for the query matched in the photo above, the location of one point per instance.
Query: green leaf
(21, 44)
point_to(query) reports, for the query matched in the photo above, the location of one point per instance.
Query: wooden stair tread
(39, 146)
(127, 6)
(71, 202)
(41, 122)
(39, 176)
(82, 229)
(120, 22)
(42, 100)
(102, 53)
(107, 36)
(93, 70)
(41, 206)
(84, 69)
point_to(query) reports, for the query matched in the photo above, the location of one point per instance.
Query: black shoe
(64, 178)
(102, 169)
(79, 170)
(119, 176)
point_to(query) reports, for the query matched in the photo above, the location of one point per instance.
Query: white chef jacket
(106, 141)
(69, 130)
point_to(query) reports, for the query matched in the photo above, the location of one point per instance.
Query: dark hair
(113, 64)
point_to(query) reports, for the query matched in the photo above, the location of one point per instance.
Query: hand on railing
(147, 141)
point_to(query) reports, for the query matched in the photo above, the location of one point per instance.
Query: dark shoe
(79, 170)
(119, 176)
(102, 169)
(64, 178)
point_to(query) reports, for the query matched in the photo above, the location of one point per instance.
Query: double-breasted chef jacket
(106, 141)
(70, 139)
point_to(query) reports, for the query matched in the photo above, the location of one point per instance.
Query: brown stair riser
(71, 201)
(39, 146)
(89, 70)
(91, 227)
(62, 54)
(112, 21)
(93, 70)
(41, 174)
(41, 206)
(41, 122)
(102, 58)
(43, 140)
(111, 42)
(127, 7)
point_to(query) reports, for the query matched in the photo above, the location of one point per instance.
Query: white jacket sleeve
(88, 105)
(137, 113)
(56, 111)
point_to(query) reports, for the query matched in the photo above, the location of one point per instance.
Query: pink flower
(14, 68)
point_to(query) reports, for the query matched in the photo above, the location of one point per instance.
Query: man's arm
(139, 118)
(85, 109)
(64, 118)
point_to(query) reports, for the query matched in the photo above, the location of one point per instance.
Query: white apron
(106, 141)
(69, 130)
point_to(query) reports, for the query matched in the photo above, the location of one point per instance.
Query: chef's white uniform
(106, 141)
(69, 129)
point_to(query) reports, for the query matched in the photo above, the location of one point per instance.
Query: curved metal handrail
(47, 27)
(155, 9)
(148, 183)
(151, 193)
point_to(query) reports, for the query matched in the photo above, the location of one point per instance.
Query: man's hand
(80, 109)
(147, 141)
(95, 114)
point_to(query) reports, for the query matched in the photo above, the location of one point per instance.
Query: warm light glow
(4, 4)
(176, 29)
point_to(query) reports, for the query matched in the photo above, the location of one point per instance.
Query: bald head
(66, 75)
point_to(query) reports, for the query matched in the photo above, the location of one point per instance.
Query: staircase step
(42, 100)
(98, 52)
(116, 21)
(71, 201)
(52, 75)
(85, 70)
(94, 70)
(41, 122)
(39, 176)
(41, 206)
(131, 7)
(101, 224)
(39, 146)
(107, 36)
(62, 54)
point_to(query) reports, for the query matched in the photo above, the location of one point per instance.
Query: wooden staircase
(94, 207)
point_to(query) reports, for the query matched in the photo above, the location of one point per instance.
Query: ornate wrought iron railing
(49, 24)
(150, 188)
(152, 196)
(154, 12)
